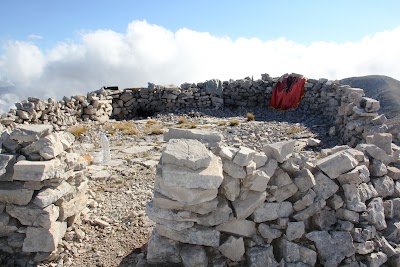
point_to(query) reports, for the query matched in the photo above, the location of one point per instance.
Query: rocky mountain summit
(212, 178)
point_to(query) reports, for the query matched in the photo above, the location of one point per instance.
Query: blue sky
(300, 21)
(55, 48)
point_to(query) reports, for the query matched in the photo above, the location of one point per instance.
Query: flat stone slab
(186, 196)
(188, 153)
(243, 228)
(163, 202)
(32, 215)
(280, 151)
(30, 132)
(47, 196)
(197, 235)
(201, 135)
(205, 178)
(44, 240)
(137, 149)
(15, 193)
(25, 170)
(337, 164)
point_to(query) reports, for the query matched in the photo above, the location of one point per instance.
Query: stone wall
(238, 207)
(353, 115)
(42, 189)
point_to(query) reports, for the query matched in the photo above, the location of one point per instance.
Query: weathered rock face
(277, 212)
(39, 198)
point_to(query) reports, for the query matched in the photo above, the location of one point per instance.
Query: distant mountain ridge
(380, 87)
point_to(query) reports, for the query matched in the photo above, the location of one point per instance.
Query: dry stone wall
(352, 115)
(42, 189)
(232, 206)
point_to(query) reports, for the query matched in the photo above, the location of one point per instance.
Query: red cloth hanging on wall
(287, 93)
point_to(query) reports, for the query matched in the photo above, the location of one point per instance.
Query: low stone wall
(42, 189)
(353, 115)
(279, 207)
(96, 106)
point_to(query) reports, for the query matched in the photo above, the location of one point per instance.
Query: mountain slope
(380, 87)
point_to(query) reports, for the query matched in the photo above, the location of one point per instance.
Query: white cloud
(35, 37)
(151, 53)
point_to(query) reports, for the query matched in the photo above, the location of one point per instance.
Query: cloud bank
(151, 53)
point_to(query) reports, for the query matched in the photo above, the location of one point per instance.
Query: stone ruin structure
(352, 115)
(216, 205)
(223, 205)
(42, 189)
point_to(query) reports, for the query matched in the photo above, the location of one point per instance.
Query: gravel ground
(114, 225)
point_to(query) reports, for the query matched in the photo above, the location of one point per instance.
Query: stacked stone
(277, 207)
(358, 117)
(68, 111)
(98, 106)
(42, 189)
(132, 102)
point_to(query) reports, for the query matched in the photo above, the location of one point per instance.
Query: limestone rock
(294, 253)
(333, 246)
(376, 214)
(42, 239)
(161, 250)
(32, 215)
(295, 230)
(198, 134)
(47, 196)
(230, 187)
(304, 180)
(258, 181)
(243, 228)
(233, 170)
(233, 248)
(30, 132)
(7, 166)
(38, 170)
(324, 187)
(193, 256)
(381, 140)
(384, 186)
(186, 153)
(192, 196)
(260, 159)
(163, 202)
(337, 164)
(222, 214)
(15, 193)
(272, 211)
(197, 235)
(280, 151)
(244, 156)
(268, 232)
(261, 257)
(244, 208)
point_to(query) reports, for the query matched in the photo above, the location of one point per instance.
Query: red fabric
(287, 93)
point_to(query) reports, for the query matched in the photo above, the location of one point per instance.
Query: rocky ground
(114, 228)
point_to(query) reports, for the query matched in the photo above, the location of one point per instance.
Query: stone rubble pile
(42, 189)
(358, 116)
(95, 106)
(240, 207)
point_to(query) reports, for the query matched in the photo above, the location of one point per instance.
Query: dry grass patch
(221, 123)
(151, 122)
(234, 123)
(182, 121)
(294, 129)
(125, 127)
(78, 130)
(250, 117)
